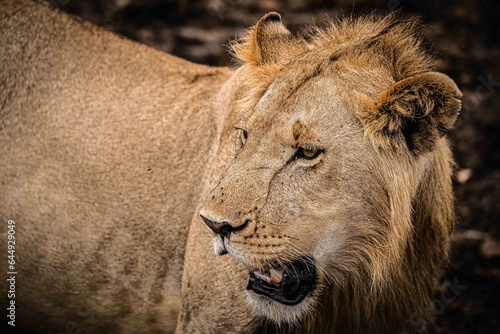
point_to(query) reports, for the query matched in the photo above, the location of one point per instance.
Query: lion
(319, 167)
(338, 200)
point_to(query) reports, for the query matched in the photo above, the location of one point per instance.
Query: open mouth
(288, 285)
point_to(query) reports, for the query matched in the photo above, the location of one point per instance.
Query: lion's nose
(223, 228)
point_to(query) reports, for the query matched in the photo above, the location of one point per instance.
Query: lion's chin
(277, 312)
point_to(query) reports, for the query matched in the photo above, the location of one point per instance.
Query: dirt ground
(464, 35)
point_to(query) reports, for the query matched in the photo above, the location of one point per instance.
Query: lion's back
(104, 144)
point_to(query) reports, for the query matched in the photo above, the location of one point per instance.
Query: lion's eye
(243, 136)
(307, 154)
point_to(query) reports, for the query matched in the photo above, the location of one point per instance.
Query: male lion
(319, 165)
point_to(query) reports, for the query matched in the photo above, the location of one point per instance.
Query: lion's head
(339, 194)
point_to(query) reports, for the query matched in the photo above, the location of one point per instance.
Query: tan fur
(95, 146)
(110, 150)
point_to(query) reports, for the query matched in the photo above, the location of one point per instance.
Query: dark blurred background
(464, 36)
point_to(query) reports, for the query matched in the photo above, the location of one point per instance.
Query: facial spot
(297, 130)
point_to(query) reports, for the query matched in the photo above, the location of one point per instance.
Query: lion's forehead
(317, 108)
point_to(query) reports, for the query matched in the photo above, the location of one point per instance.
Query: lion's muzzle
(223, 229)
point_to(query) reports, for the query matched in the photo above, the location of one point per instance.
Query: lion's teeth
(271, 276)
(276, 276)
(262, 275)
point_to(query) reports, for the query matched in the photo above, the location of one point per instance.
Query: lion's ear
(268, 42)
(420, 109)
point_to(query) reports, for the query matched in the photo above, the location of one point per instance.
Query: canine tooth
(261, 274)
(276, 275)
